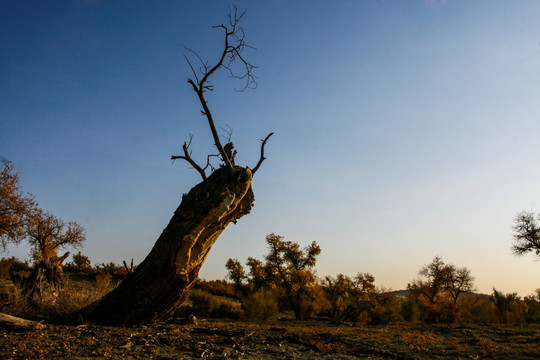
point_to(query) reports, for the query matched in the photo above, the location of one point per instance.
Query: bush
(228, 309)
(532, 307)
(80, 263)
(8, 293)
(14, 269)
(477, 309)
(202, 303)
(410, 310)
(388, 308)
(261, 305)
(103, 281)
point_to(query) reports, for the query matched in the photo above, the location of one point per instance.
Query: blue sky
(403, 129)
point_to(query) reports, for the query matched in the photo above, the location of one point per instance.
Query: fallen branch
(18, 324)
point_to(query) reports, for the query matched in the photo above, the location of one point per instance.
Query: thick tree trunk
(163, 280)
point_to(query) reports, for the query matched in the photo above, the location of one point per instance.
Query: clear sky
(403, 129)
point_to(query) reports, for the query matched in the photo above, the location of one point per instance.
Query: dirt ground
(279, 340)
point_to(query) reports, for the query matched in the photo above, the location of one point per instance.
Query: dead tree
(47, 273)
(163, 280)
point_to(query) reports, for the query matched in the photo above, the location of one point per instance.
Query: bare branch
(208, 163)
(187, 157)
(231, 59)
(191, 67)
(228, 131)
(230, 54)
(262, 153)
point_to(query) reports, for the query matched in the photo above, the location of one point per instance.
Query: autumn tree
(46, 235)
(526, 233)
(237, 275)
(15, 207)
(504, 304)
(457, 282)
(350, 298)
(438, 289)
(288, 268)
(259, 274)
(337, 291)
(292, 269)
(161, 283)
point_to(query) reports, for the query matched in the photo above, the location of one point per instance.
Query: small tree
(14, 207)
(438, 289)
(288, 269)
(457, 282)
(503, 303)
(81, 263)
(337, 291)
(526, 233)
(292, 270)
(237, 276)
(259, 274)
(350, 298)
(430, 284)
(47, 234)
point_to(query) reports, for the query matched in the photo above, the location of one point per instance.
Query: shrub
(103, 281)
(202, 303)
(388, 308)
(477, 309)
(228, 309)
(80, 263)
(8, 293)
(410, 310)
(261, 305)
(14, 269)
(532, 307)
(110, 268)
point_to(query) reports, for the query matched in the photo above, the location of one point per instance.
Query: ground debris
(281, 340)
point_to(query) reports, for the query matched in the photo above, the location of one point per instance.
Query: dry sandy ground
(279, 340)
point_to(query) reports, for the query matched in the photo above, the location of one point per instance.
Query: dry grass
(56, 304)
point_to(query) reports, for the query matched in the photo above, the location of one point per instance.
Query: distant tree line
(285, 282)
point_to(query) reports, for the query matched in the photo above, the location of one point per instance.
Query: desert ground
(223, 339)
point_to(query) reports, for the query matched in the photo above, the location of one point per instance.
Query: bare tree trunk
(163, 280)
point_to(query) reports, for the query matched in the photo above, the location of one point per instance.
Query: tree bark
(161, 283)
